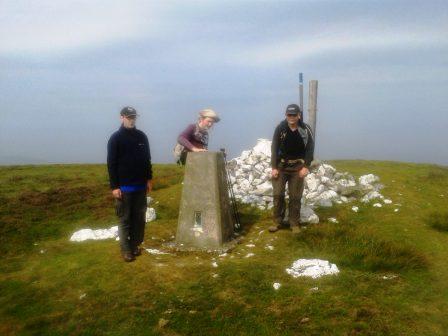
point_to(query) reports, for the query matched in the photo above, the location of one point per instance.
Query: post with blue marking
(301, 91)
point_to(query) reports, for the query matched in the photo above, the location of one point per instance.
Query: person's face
(128, 122)
(292, 119)
(207, 122)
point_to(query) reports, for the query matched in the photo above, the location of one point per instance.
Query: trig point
(205, 220)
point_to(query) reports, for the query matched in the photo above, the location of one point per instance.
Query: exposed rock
(89, 234)
(150, 214)
(313, 268)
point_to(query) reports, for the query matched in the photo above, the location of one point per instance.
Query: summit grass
(393, 264)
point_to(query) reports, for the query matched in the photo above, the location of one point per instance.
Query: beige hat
(209, 113)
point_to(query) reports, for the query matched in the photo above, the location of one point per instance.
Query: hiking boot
(274, 228)
(137, 252)
(295, 229)
(128, 256)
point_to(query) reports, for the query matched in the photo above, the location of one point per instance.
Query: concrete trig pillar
(205, 220)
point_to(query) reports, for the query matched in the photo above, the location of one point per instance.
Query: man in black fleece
(291, 155)
(130, 176)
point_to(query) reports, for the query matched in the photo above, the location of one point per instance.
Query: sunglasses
(292, 115)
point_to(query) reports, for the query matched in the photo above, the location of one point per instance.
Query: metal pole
(301, 91)
(312, 105)
(235, 213)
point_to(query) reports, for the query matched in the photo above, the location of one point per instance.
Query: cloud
(348, 37)
(47, 27)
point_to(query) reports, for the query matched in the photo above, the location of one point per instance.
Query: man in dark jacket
(291, 155)
(130, 176)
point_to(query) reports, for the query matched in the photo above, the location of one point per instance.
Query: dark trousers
(295, 187)
(131, 210)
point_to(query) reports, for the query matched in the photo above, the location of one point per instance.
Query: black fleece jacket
(277, 147)
(128, 158)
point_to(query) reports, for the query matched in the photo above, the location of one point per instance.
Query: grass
(392, 280)
(438, 221)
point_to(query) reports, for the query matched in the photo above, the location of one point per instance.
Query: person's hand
(303, 172)
(196, 149)
(149, 186)
(116, 193)
(274, 173)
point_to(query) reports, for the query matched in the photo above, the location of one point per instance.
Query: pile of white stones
(250, 176)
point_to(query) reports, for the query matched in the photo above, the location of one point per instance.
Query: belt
(301, 161)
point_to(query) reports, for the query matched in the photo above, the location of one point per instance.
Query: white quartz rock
(150, 214)
(371, 196)
(314, 268)
(307, 215)
(89, 234)
(368, 179)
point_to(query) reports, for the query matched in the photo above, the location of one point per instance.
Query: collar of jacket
(124, 129)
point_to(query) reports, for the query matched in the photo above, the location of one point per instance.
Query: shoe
(295, 229)
(274, 228)
(128, 256)
(137, 252)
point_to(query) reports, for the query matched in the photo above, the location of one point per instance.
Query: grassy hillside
(394, 265)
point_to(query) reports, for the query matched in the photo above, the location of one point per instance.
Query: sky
(68, 67)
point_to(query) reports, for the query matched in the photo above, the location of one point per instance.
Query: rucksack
(178, 150)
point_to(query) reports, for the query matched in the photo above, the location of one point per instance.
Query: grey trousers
(295, 188)
(131, 209)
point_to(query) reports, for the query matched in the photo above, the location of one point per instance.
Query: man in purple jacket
(195, 137)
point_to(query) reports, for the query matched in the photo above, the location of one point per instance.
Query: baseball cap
(128, 112)
(293, 109)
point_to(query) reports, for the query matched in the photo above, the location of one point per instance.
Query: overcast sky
(68, 67)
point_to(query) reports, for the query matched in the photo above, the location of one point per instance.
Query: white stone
(276, 285)
(325, 203)
(314, 268)
(329, 195)
(264, 189)
(377, 205)
(89, 234)
(150, 214)
(355, 208)
(346, 187)
(307, 215)
(155, 251)
(333, 220)
(263, 146)
(371, 196)
(311, 182)
(368, 179)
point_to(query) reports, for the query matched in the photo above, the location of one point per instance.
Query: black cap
(293, 109)
(128, 112)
